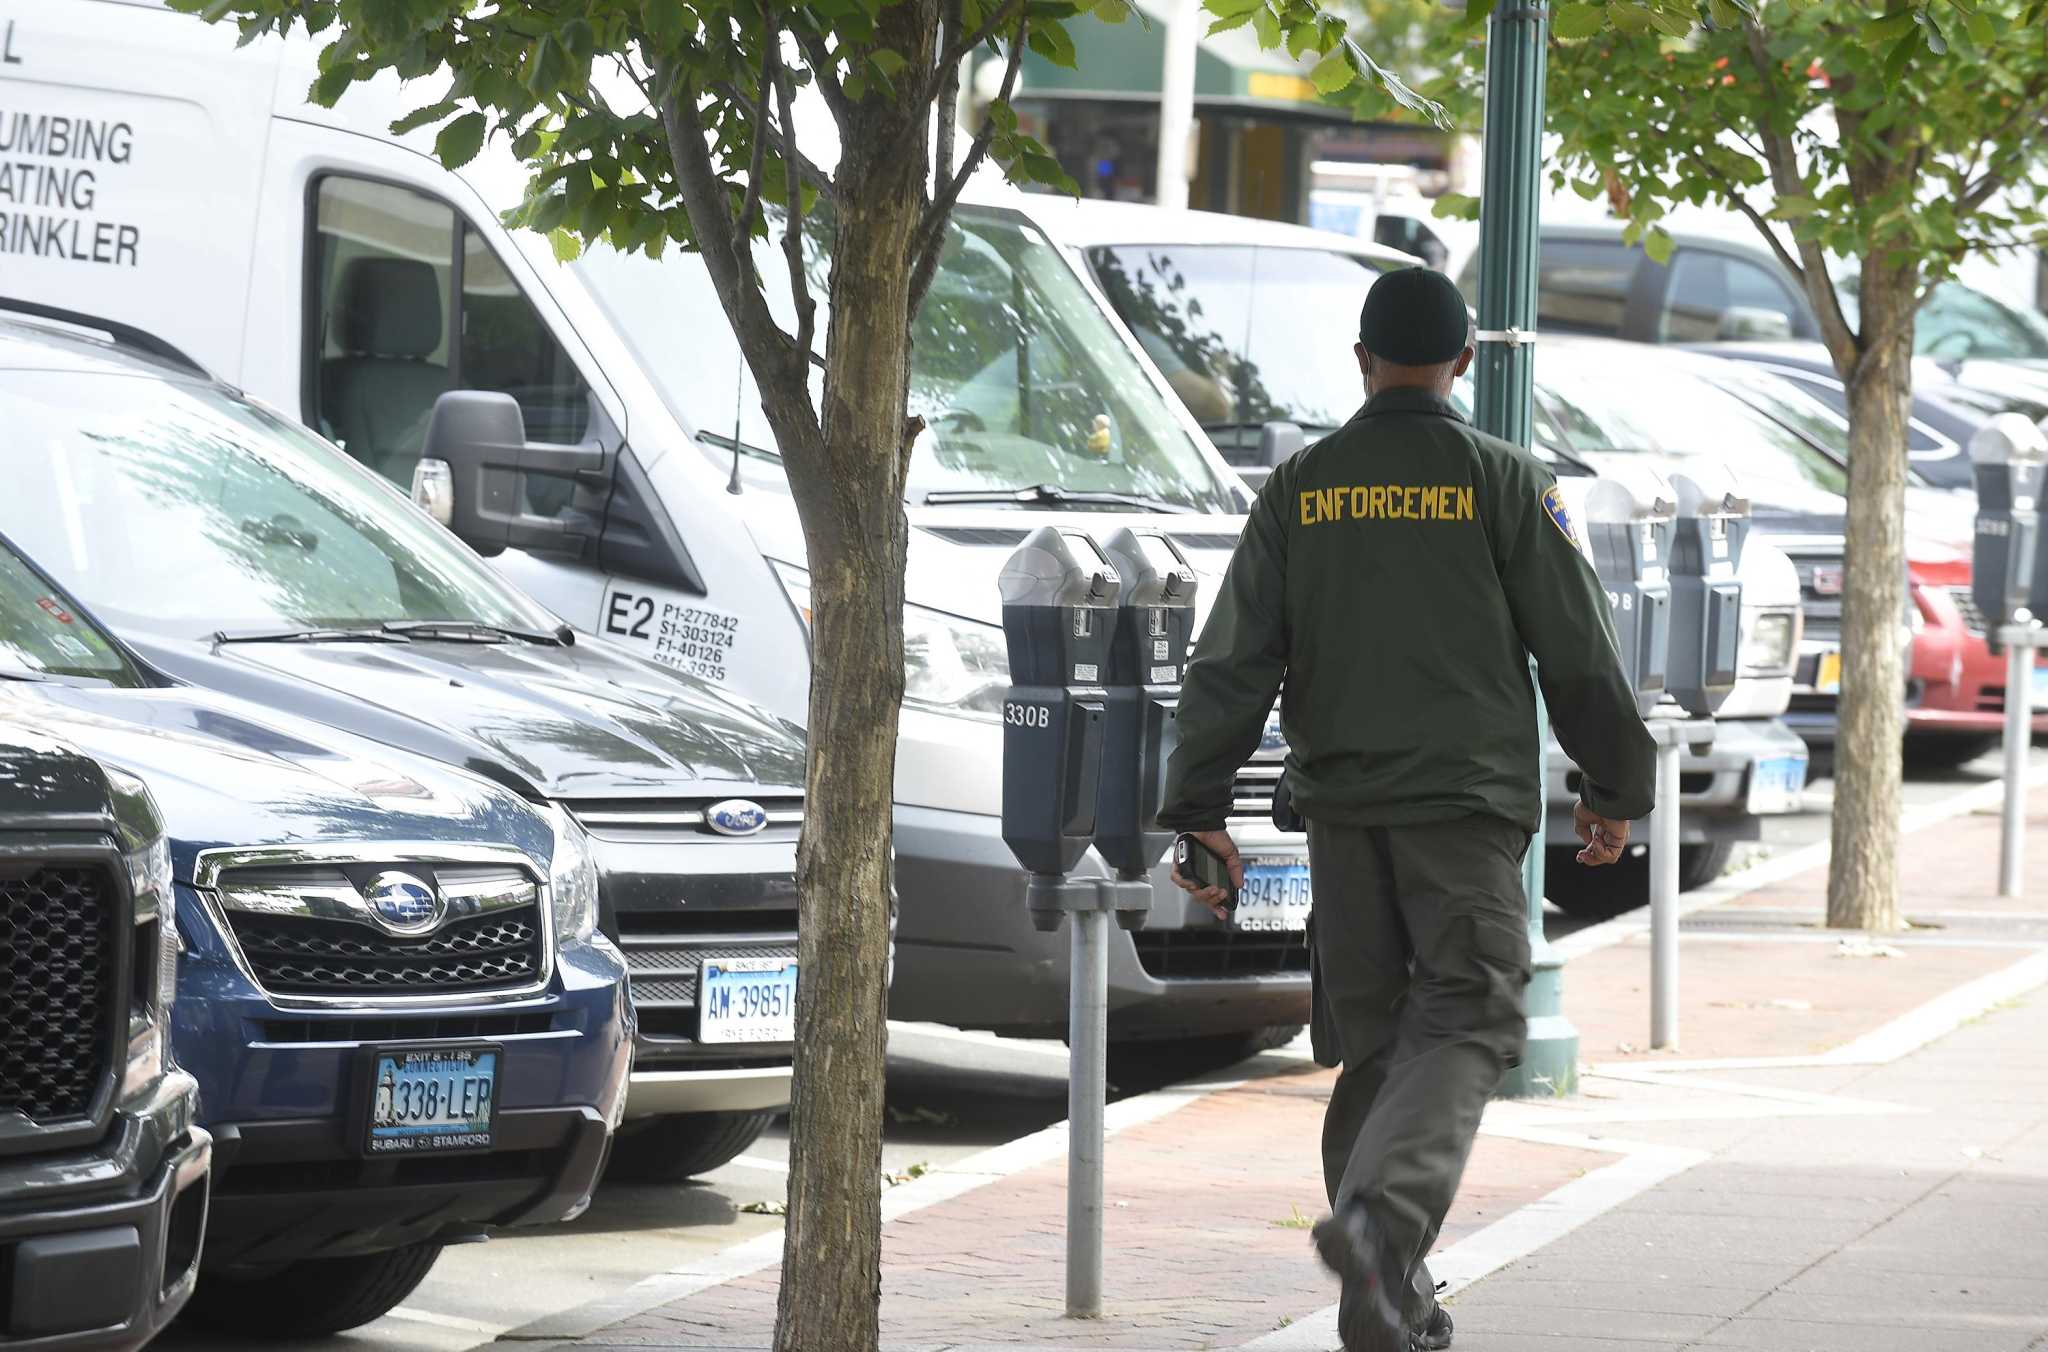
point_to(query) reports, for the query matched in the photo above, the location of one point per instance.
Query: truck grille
(664, 961)
(312, 929)
(57, 977)
(1973, 618)
(1217, 954)
(1251, 793)
(326, 957)
(1823, 605)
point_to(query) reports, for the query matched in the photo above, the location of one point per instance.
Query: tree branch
(948, 102)
(784, 145)
(709, 204)
(793, 225)
(757, 162)
(1783, 160)
(1756, 218)
(825, 74)
(931, 231)
(950, 57)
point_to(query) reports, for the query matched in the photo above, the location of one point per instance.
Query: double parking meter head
(1148, 653)
(1628, 532)
(2008, 568)
(1706, 590)
(1059, 612)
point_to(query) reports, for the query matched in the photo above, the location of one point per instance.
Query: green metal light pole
(1516, 34)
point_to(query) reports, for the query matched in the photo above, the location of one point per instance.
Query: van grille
(57, 978)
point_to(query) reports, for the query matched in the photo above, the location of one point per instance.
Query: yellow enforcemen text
(1387, 502)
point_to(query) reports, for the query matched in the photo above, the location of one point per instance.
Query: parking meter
(2008, 569)
(1706, 592)
(1154, 628)
(1059, 608)
(1628, 533)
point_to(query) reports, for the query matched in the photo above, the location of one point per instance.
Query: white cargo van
(343, 275)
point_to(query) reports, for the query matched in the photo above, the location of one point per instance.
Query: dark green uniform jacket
(1397, 576)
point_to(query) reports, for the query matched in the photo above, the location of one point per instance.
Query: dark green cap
(1414, 317)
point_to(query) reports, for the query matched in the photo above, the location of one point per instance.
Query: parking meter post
(1664, 887)
(1516, 41)
(1060, 594)
(2020, 641)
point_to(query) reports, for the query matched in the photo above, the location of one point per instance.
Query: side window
(412, 302)
(1712, 298)
(1582, 286)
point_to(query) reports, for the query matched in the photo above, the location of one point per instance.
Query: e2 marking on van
(47, 162)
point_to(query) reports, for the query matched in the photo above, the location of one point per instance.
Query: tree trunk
(1863, 881)
(849, 495)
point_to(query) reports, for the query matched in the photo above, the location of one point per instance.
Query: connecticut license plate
(747, 1000)
(429, 1099)
(1777, 785)
(1275, 896)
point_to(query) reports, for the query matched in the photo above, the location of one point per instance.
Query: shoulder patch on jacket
(1553, 506)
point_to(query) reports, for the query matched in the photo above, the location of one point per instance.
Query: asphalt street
(951, 1094)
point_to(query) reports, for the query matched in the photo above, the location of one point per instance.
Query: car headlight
(1769, 640)
(572, 880)
(146, 849)
(950, 665)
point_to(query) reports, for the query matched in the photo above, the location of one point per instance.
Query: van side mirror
(1278, 443)
(480, 436)
(1751, 324)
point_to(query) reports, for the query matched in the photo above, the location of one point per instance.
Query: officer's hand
(1605, 838)
(1214, 897)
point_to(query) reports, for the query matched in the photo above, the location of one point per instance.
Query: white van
(343, 275)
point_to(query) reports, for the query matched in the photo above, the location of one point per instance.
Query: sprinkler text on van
(50, 169)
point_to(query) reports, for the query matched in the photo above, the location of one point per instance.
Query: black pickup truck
(103, 1171)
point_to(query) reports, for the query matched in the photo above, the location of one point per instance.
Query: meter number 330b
(1027, 715)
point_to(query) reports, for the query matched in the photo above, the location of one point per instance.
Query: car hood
(547, 722)
(225, 774)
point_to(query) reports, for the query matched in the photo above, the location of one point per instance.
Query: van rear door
(131, 140)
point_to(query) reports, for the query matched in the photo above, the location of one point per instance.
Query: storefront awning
(1123, 63)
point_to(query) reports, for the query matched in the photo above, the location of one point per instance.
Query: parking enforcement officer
(1395, 578)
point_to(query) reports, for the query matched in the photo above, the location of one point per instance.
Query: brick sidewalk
(1206, 1231)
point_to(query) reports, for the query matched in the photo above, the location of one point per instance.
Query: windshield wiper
(21, 674)
(725, 443)
(1310, 429)
(476, 631)
(312, 635)
(1050, 495)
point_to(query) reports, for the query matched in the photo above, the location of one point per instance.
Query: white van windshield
(176, 508)
(1021, 379)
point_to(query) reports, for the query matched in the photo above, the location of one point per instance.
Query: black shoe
(1369, 1315)
(1435, 1334)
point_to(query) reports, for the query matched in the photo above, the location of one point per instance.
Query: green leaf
(567, 248)
(1659, 245)
(665, 19)
(1901, 55)
(1333, 72)
(458, 142)
(1937, 41)
(1234, 21)
(1578, 21)
(1588, 188)
(1050, 41)
(1892, 26)
(1724, 14)
(1226, 9)
(1629, 18)
(1792, 208)
(1670, 23)
(1456, 206)
(1267, 27)
(420, 117)
(889, 61)
(578, 39)
(1112, 11)
(1982, 31)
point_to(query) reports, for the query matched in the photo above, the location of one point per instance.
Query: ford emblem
(736, 817)
(402, 905)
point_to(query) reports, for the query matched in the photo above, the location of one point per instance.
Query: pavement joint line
(942, 1184)
(413, 1315)
(1724, 936)
(1769, 872)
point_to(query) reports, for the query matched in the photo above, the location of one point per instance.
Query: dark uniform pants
(1421, 959)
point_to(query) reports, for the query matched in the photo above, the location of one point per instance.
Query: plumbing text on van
(47, 165)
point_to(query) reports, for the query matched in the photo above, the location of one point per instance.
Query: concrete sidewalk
(1849, 1151)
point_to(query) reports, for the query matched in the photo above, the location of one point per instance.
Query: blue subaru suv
(404, 1025)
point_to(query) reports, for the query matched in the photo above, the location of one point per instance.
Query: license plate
(747, 1000)
(1275, 895)
(425, 1100)
(2041, 688)
(1827, 678)
(1777, 785)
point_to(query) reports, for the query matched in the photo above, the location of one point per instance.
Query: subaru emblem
(736, 817)
(402, 905)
